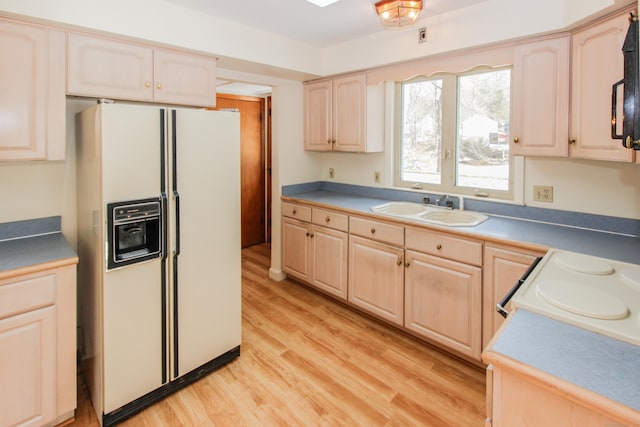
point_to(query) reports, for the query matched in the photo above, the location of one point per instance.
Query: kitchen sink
(456, 218)
(400, 208)
(431, 214)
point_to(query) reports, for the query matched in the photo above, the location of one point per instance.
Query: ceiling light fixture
(398, 13)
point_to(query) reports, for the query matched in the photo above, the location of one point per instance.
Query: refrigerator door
(130, 138)
(206, 264)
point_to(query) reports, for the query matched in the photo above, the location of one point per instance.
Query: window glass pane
(421, 131)
(483, 130)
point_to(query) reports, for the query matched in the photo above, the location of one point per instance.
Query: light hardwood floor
(309, 361)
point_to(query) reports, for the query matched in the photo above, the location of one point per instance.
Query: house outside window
(454, 133)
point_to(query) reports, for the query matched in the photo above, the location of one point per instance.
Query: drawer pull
(294, 212)
(327, 219)
(373, 231)
(438, 246)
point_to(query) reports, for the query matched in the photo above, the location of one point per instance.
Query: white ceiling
(303, 21)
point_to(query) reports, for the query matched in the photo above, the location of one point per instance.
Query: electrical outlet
(331, 173)
(422, 35)
(376, 177)
(543, 193)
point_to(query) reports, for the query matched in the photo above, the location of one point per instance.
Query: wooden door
(541, 98)
(376, 278)
(330, 260)
(296, 257)
(598, 63)
(252, 165)
(443, 302)
(503, 267)
(28, 368)
(318, 135)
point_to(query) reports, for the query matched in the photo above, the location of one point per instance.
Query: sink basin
(453, 217)
(400, 208)
(430, 214)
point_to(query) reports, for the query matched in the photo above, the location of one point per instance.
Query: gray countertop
(32, 242)
(604, 365)
(591, 242)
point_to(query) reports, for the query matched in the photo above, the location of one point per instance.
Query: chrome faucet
(442, 200)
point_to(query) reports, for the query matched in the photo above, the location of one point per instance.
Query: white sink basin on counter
(431, 214)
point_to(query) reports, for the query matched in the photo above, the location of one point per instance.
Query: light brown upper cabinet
(32, 88)
(105, 68)
(597, 63)
(541, 98)
(344, 114)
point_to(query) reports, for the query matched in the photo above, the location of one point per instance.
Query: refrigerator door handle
(176, 252)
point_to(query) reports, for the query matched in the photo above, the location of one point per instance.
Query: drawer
(303, 213)
(380, 231)
(25, 295)
(444, 245)
(330, 219)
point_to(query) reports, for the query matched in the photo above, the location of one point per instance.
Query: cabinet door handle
(327, 219)
(373, 231)
(307, 234)
(311, 235)
(438, 246)
(329, 141)
(516, 140)
(147, 84)
(572, 141)
(159, 85)
(407, 264)
(400, 260)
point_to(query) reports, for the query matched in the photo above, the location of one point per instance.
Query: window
(454, 133)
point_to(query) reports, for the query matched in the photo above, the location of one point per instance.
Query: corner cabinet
(108, 68)
(597, 63)
(540, 98)
(344, 114)
(503, 266)
(32, 88)
(38, 347)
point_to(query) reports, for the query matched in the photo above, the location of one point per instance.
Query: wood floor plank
(307, 360)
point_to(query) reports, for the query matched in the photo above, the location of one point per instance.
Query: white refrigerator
(148, 328)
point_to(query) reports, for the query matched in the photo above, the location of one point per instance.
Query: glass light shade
(398, 13)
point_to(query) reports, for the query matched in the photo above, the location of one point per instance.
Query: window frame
(450, 139)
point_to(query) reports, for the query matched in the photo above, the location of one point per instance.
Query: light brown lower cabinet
(376, 278)
(525, 398)
(316, 255)
(443, 301)
(38, 347)
(503, 266)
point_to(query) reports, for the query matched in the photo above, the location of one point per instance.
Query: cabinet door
(107, 68)
(296, 255)
(376, 278)
(184, 78)
(349, 113)
(443, 302)
(28, 368)
(329, 255)
(541, 98)
(598, 63)
(317, 116)
(502, 269)
(32, 88)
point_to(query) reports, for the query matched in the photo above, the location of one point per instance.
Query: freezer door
(205, 244)
(132, 151)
